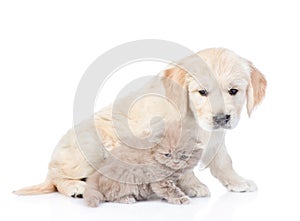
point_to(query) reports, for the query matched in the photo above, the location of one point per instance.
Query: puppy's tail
(45, 187)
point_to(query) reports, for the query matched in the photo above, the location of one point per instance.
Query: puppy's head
(217, 89)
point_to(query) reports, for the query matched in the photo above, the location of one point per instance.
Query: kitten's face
(180, 157)
(179, 147)
(173, 158)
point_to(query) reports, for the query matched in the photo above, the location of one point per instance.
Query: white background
(45, 47)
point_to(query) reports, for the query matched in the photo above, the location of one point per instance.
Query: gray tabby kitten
(132, 174)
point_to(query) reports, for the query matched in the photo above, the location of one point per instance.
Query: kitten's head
(180, 148)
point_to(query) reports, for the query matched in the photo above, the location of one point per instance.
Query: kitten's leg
(169, 191)
(190, 184)
(92, 196)
(126, 199)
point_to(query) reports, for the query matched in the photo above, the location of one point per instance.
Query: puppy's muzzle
(221, 120)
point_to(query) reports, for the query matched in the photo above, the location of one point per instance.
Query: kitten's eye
(233, 91)
(167, 155)
(203, 93)
(183, 157)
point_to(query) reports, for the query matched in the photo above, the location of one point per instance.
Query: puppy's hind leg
(69, 187)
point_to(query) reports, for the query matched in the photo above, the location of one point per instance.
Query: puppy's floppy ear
(175, 84)
(256, 89)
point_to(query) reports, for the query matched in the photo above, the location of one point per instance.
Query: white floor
(271, 202)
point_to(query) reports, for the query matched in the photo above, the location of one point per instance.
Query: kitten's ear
(156, 138)
(175, 84)
(158, 126)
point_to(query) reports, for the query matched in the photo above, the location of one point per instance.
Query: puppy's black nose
(221, 119)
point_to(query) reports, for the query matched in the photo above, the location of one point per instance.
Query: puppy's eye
(203, 93)
(167, 155)
(233, 91)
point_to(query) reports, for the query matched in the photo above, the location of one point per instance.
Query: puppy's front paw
(179, 201)
(242, 186)
(199, 190)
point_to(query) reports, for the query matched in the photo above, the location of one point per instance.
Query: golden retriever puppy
(238, 81)
(211, 93)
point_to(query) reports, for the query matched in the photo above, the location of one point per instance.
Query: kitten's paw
(199, 190)
(242, 186)
(126, 199)
(93, 198)
(92, 201)
(181, 200)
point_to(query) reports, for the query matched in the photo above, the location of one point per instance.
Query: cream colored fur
(224, 70)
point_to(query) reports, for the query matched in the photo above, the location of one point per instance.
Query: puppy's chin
(232, 124)
(227, 127)
(208, 126)
(211, 127)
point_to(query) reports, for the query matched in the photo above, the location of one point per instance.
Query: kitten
(132, 174)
